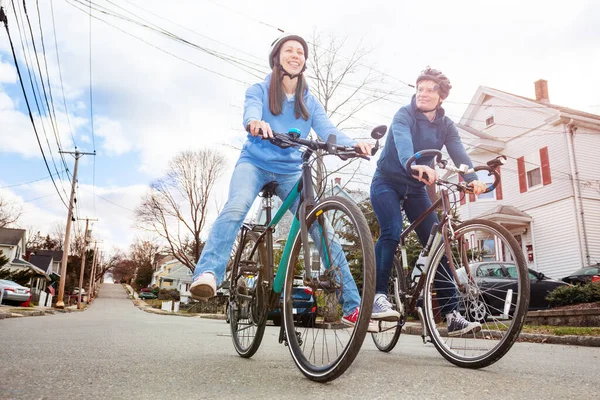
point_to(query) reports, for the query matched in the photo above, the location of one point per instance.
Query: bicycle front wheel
(389, 331)
(341, 285)
(495, 294)
(246, 308)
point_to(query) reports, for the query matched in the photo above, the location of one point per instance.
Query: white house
(549, 197)
(13, 246)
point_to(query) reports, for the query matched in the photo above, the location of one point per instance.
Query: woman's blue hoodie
(411, 131)
(266, 155)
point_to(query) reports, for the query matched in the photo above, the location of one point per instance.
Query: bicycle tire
(389, 332)
(319, 363)
(246, 331)
(501, 325)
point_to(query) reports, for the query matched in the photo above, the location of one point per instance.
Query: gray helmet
(429, 74)
(276, 45)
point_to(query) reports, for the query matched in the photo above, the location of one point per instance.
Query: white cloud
(115, 142)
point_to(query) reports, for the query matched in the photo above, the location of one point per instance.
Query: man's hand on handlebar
(363, 148)
(477, 187)
(260, 128)
(424, 174)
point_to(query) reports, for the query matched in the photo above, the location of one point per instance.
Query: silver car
(14, 291)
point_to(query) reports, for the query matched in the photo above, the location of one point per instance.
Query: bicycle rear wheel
(389, 331)
(247, 313)
(343, 271)
(499, 305)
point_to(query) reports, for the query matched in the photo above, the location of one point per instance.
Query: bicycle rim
(246, 329)
(499, 305)
(389, 331)
(324, 348)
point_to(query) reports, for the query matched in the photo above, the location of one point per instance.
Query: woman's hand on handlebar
(477, 187)
(363, 148)
(260, 128)
(424, 174)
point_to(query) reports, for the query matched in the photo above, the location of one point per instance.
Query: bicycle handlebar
(491, 167)
(286, 140)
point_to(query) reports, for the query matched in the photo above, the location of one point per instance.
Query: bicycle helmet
(276, 46)
(436, 76)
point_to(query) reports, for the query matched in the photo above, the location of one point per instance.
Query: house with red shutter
(549, 196)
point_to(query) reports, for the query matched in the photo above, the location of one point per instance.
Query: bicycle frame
(304, 189)
(441, 232)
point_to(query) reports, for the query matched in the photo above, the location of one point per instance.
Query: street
(113, 350)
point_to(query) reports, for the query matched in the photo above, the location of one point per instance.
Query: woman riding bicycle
(279, 103)
(418, 126)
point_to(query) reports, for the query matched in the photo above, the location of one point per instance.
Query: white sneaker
(458, 325)
(204, 287)
(383, 309)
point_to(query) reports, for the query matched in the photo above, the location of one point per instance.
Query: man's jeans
(246, 183)
(388, 198)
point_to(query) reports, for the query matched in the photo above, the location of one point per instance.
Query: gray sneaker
(458, 325)
(383, 309)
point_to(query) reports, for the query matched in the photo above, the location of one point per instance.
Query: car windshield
(587, 271)
(512, 271)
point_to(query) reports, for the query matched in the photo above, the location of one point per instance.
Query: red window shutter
(546, 178)
(463, 199)
(522, 174)
(499, 187)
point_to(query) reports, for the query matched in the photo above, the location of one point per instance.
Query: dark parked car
(147, 295)
(583, 276)
(304, 305)
(496, 278)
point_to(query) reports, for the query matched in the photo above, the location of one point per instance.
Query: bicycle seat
(268, 190)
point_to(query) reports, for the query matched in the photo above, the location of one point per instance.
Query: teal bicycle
(330, 246)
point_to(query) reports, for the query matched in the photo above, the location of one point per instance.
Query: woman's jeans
(388, 198)
(246, 183)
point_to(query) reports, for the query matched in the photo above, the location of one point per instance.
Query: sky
(153, 97)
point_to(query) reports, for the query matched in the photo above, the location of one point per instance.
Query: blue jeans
(388, 198)
(246, 182)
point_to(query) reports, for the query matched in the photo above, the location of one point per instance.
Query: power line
(60, 75)
(28, 106)
(27, 183)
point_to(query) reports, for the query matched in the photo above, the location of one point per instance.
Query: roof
(11, 236)
(507, 211)
(57, 255)
(42, 262)
(17, 262)
(554, 106)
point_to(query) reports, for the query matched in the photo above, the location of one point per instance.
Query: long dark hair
(276, 94)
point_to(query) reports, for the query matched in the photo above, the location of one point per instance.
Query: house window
(489, 121)
(533, 169)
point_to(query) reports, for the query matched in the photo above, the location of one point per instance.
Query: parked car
(583, 276)
(147, 289)
(76, 292)
(13, 291)
(495, 278)
(304, 305)
(147, 295)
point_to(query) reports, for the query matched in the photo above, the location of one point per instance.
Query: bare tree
(109, 264)
(9, 213)
(176, 206)
(345, 85)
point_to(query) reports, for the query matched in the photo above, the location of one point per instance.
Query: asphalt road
(113, 350)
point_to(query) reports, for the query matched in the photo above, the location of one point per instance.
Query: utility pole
(93, 272)
(63, 267)
(83, 256)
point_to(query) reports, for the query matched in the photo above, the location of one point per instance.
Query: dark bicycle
(329, 238)
(453, 247)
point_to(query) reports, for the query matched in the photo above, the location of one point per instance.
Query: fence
(171, 306)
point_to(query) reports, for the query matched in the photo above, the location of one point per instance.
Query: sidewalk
(36, 311)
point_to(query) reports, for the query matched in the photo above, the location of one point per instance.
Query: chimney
(541, 91)
(338, 181)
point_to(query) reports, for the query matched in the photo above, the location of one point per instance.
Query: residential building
(549, 197)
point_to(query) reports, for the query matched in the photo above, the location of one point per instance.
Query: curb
(588, 341)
